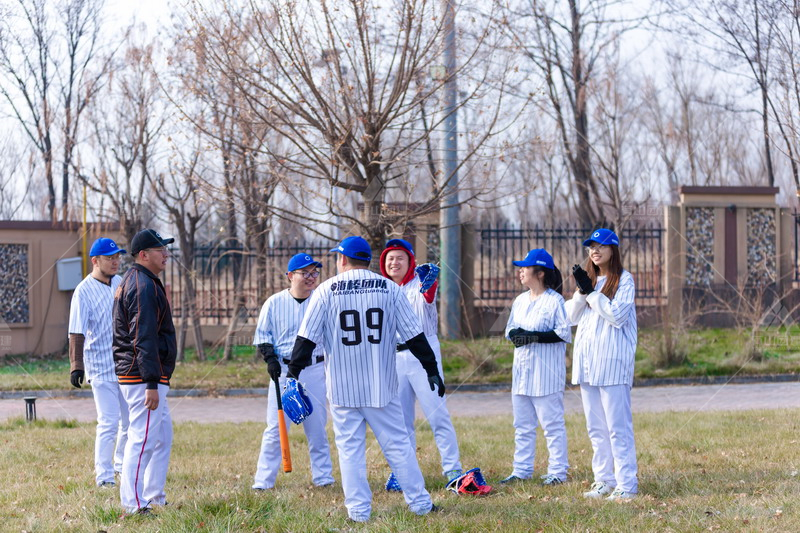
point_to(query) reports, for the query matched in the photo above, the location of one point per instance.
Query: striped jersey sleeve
(90, 315)
(605, 341)
(540, 369)
(279, 323)
(426, 311)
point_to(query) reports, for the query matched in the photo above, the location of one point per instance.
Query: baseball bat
(286, 454)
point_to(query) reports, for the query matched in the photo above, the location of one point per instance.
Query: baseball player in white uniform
(398, 263)
(356, 316)
(276, 332)
(90, 336)
(602, 363)
(539, 329)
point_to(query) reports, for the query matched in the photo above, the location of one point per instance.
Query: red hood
(412, 263)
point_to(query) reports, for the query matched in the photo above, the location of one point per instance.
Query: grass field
(707, 352)
(698, 472)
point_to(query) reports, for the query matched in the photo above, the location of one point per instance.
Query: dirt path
(461, 404)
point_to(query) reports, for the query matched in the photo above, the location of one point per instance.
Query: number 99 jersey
(358, 317)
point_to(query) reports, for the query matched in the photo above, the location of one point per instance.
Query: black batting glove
(271, 358)
(435, 381)
(582, 279)
(274, 369)
(521, 337)
(76, 378)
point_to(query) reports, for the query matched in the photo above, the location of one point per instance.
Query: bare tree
(697, 129)
(127, 122)
(179, 190)
(742, 38)
(247, 179)
(787, 75)
(86, 73)
(566, 43)
(13, 187)
(342, 82)
(52, 69)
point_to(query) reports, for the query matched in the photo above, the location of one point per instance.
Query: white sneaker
(598, 490)
(621, 495)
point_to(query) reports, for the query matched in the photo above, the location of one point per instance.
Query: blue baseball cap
(355, 247)
(537, 257)
(301, 261)
(602, 236)
(399, 243)
(105, 246)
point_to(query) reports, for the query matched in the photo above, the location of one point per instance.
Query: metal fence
(496, 278)
(217, 268)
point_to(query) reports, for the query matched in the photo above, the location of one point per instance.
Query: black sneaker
(434, 508)
(510, 479)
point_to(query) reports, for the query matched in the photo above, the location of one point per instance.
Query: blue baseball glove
(427, 272)
(296, 403)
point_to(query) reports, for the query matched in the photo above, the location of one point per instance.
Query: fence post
(468, 256)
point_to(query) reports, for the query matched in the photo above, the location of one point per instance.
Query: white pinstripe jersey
(90, 315)
(279, 322)
(357, 316)
(540, 369)
(605, 342)
(426, 312)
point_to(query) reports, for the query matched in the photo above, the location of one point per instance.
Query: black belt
(320, 358)
(401, 347)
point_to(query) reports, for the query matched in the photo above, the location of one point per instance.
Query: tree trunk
(587, 193)
(238, 310)
(190, 296)
(181, 344)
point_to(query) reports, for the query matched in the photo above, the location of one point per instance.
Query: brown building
(39, 262)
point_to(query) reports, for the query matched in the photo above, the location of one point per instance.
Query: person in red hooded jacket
(399, 264)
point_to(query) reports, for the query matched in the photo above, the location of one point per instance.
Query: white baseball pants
(144, 467)
(549, 412)
(610, 424)
(112, 429)
(350, 428)
(269, 459)
(413, 385)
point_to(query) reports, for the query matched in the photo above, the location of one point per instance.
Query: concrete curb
(467, 387)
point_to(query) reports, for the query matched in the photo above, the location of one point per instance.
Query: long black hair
(552, 278)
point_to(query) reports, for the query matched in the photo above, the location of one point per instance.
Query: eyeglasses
(314, 274)
(595, 248)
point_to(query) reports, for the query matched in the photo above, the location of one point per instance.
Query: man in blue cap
(275, 335)
(357, 317)
(90, 356)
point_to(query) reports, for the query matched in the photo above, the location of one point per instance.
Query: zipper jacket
(144, 335)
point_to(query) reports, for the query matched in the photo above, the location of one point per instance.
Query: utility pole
(449, 223)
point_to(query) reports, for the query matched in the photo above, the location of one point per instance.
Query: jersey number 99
(350, 322)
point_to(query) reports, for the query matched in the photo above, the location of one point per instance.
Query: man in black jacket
(144, 358)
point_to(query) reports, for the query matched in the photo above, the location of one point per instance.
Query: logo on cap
(596, 234)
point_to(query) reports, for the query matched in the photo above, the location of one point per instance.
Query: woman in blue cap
(602, 363)
(539, 328)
